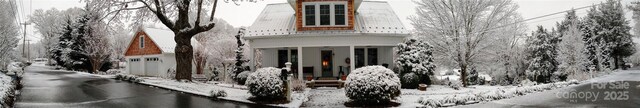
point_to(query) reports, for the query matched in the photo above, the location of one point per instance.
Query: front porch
(323, 57)
(326, 62)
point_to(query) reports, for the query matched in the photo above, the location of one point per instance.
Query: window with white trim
(134, 59)
(142, 41)
(323, 14)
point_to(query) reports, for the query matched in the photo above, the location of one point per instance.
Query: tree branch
(163, 18)
(213, 10)
(199, 11)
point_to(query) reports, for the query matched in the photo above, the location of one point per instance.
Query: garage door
(135, 66)
(151, 66)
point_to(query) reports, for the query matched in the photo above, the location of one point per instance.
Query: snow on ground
(7, 88)
(234, 92)
(333, 97)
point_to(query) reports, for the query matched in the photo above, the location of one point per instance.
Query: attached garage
(151, 52)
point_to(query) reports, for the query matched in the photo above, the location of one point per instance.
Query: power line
(22, 8)
(14, 11)
(522, 21)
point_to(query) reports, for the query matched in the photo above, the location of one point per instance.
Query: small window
(310, 15)
(325, 15)
(339, 14)
(142, 41)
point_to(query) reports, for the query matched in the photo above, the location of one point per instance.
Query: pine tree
(589, 28)
(542, 56)
(615, 34)
(239, 65)
(606, 35)
(415, 56)
(573, 62)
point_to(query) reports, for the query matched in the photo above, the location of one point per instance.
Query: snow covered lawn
(234, 92)
(333, 97)
(436, 95)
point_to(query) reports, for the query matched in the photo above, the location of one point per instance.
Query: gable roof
(372, 17)
(164, 39)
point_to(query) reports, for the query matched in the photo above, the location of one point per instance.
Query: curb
(199, 94)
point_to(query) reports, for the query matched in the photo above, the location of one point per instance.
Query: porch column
(300, 77)
(252, 59)
(352, 54)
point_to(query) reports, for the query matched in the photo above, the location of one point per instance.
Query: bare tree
(97, 43)
(175, 14)
(49, 24)
(8, 31)
(459, 30)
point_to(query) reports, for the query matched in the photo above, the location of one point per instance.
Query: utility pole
(28, 50)
(24, 39)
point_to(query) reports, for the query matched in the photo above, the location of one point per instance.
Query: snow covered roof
(164, 39)
(372, 17)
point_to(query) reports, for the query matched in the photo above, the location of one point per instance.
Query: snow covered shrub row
(216, 93)
(242, 77)
(127, 77)
(492, 95)
(372, 84)
(7, 90)
(112, 72)
(265, 83)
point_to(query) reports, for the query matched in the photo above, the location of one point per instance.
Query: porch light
(325, 64)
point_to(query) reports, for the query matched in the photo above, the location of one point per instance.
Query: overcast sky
(246, 13)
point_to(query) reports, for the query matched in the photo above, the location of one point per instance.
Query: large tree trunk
(184, 56)
(463, 73)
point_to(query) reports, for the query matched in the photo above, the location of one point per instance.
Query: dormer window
(322, 14)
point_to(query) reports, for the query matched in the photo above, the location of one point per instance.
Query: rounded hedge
(372, 84)
(242, 77)
(410, 81)
(266, 83)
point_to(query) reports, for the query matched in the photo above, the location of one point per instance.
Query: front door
(327, 63)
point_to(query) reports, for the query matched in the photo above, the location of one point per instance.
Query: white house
(321, 38)
(151, 52)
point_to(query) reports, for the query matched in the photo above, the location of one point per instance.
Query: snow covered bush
(171, 73)
(415, 56)
(372, 84)
(455, 84)
(112, 72)
(242, 77)
(298, 85)
(130, 78)
(7, 90)
(265, 83)
(410, 81)
(429, 103)
(216, 93)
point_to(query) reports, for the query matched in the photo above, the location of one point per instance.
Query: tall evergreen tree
(542, 56)
(615, 32)
(591, 38)
(571, 47)
(606, 35)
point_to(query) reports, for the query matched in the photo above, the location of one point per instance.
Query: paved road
(607, 91)
(62, 89)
